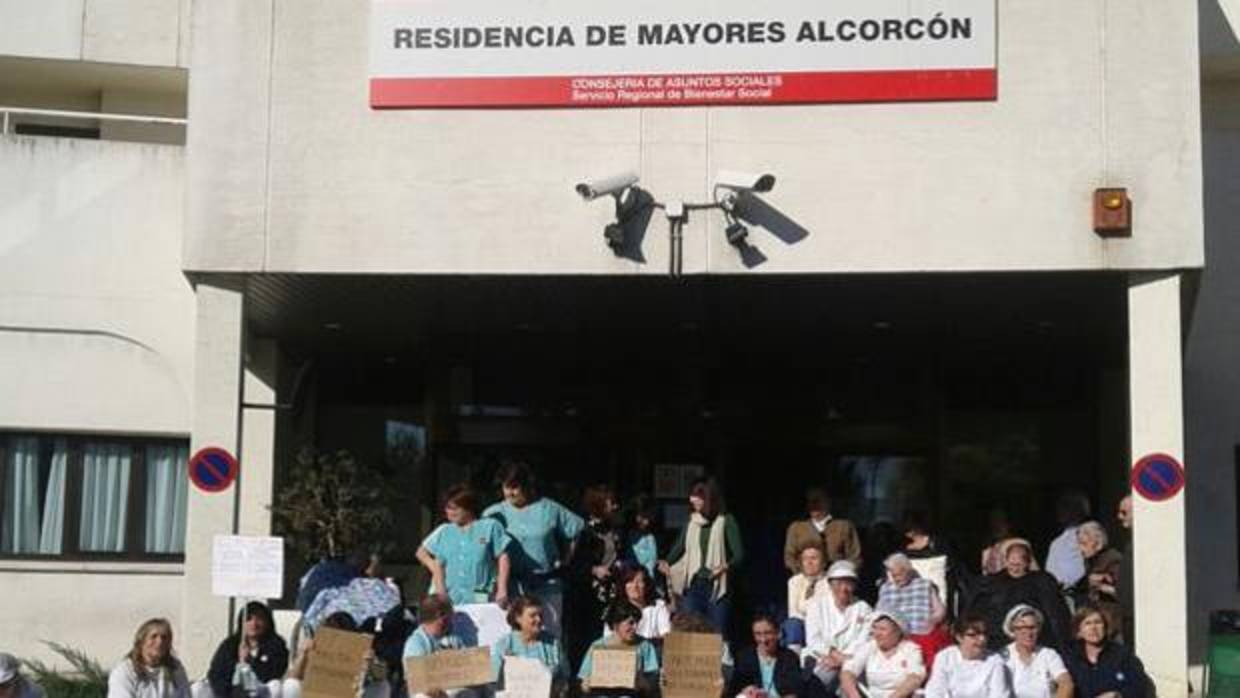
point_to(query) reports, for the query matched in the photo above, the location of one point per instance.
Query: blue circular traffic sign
(213, 469)
(1158, 477)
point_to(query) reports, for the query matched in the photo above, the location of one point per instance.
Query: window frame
(135, 518)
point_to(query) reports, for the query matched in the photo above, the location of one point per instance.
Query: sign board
(672, 481)
(1158, 477)
(249, 567)
(448, 669)
(561, 53)
(692, 665)
(480, 624)
(526, 678)
(213, 469)
(613, 668)
(336, 665)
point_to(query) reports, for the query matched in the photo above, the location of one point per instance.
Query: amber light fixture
(1112, 213)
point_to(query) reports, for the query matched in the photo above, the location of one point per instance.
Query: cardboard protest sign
(336, 664)
(613, 668)
(448, 669)
(526, 678)
(691, 665)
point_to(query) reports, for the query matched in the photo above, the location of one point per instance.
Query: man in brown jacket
(838, 536)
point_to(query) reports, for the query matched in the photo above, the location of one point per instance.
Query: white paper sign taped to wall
(250, 567)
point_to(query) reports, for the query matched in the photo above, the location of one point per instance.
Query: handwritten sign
(250, 567)
(336, 665)
(613, 668)
(526, 678)
(448, 669)
(691, 665)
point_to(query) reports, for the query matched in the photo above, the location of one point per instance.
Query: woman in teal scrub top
(467, 556)
(529, 640)
(543, 534)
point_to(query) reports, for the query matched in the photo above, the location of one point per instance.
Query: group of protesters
(571, 584)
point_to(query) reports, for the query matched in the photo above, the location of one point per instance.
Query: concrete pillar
(259, 430)
(1156, 414)
(218, 347)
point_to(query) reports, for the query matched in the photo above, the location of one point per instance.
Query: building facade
(265, 261)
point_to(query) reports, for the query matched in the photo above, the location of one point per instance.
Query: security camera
(745, 181)
(612, 185)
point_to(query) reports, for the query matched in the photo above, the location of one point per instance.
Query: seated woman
(12, 683)
(803, 587)
(434, 634)
(253, 659)
(150, 670)
(1103, 668)
(892, 666)
(1036, 671)
(1098, 588)
(836, 625)
(1021, 582)
(967, 670)
(622, 619)
(766, 670)
(636, 587)
(374, 682)
(528, 639)
(915, 600)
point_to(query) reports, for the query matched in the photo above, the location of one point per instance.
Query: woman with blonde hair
(150, 670)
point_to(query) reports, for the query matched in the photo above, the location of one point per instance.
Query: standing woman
(594, 565)
(1036, 671)
(150, 670)
(543, 534)
(467, 556)
(705, 552)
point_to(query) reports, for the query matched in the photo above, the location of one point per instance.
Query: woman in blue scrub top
(528, 639)
(622, 619)
(543, 534)
(467, 556)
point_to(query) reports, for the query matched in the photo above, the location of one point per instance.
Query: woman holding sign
(467, 556)
(543, 533)
(528, 640)
(622, 619)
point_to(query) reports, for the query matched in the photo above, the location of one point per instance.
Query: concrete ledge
(170, 569)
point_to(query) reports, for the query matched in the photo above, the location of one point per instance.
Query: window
(88, 497)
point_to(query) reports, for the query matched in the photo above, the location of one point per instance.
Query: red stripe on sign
(685, 90)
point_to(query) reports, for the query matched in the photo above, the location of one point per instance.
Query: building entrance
(952, 396)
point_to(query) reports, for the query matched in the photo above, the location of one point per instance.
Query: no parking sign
(1158, 477)
(213, 469)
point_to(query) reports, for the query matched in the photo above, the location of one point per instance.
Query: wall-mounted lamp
(1112, 213)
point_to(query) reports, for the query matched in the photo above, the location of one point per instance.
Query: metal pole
(4, 131)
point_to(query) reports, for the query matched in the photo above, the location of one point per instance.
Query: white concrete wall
(96, 320)
(142, 32)
(96, 335)
(290, 170)
(1212, 373)
(93, 607)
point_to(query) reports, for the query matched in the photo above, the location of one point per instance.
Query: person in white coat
(967, 670)
(1036, 671)
(150, 670)
(836, 625)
